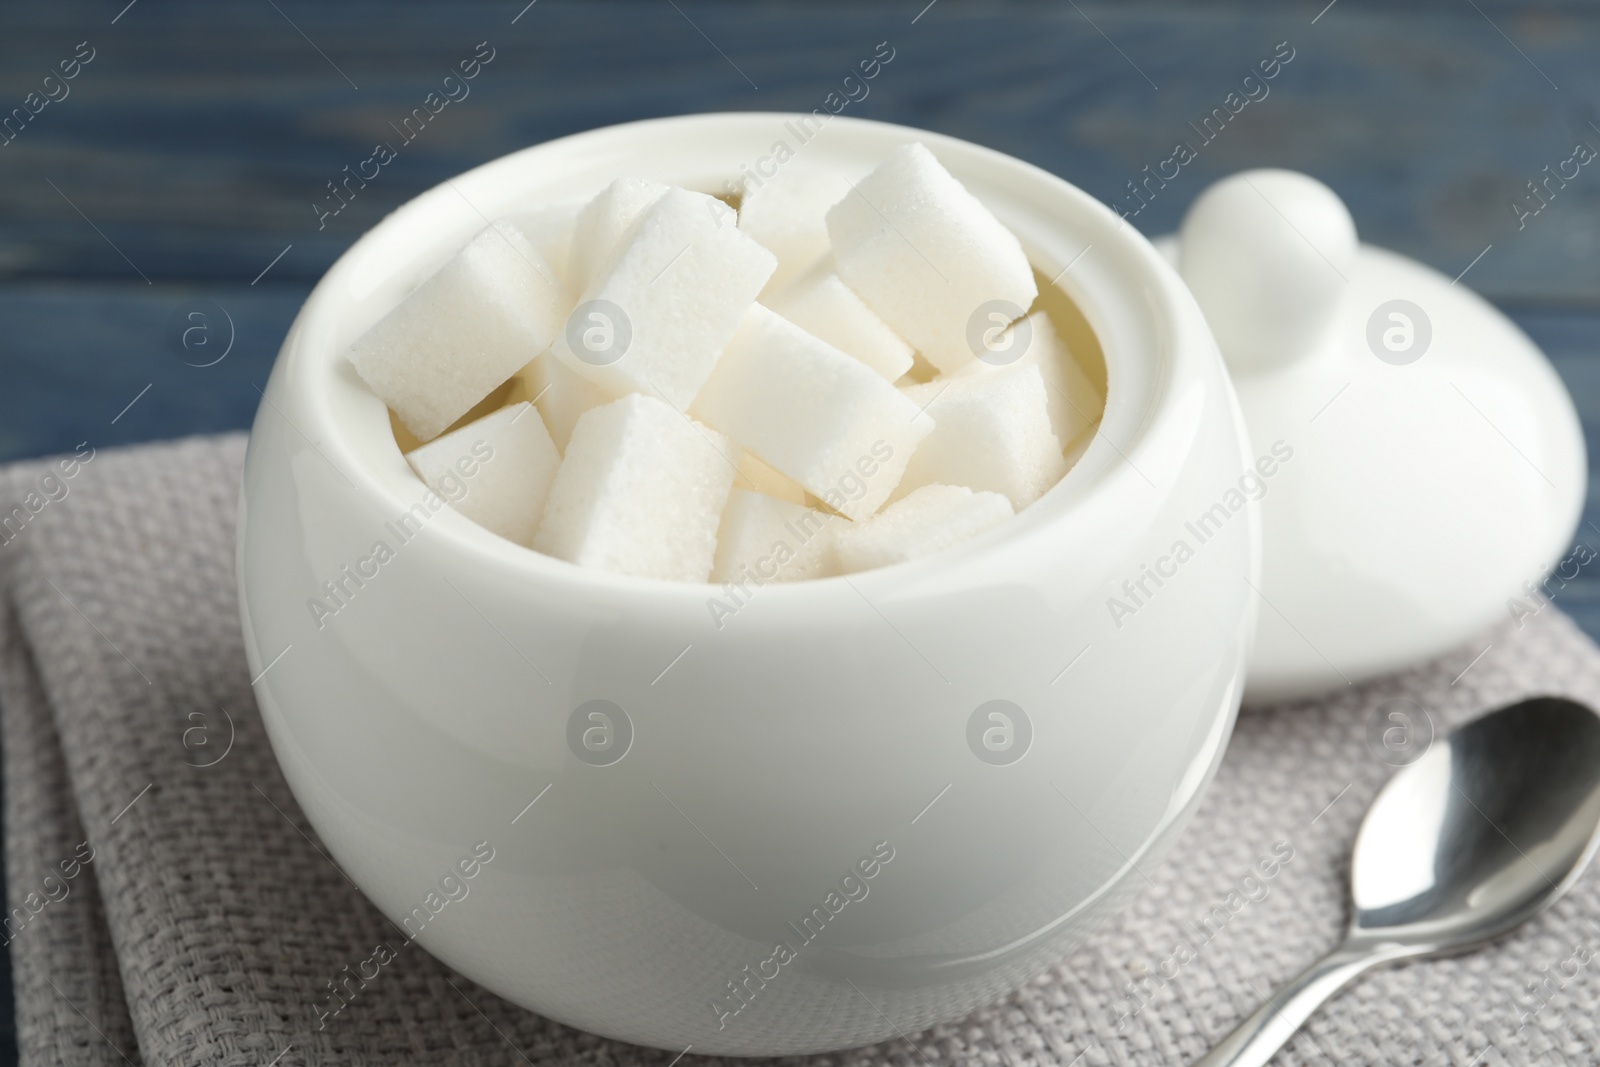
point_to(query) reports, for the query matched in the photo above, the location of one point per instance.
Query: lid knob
(1267, 253)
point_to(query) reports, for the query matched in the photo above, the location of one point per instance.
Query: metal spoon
(1484, 831)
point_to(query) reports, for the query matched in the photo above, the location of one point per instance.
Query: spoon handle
(1254, 1041)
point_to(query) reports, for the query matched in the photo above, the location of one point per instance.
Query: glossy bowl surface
(804, 828)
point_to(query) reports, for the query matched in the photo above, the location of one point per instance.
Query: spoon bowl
(1484, 831)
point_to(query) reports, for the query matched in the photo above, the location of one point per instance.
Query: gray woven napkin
(170, 905)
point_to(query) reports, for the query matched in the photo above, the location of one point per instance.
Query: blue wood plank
(105, 363)
(201, 135)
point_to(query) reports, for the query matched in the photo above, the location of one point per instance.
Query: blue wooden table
(189, 154)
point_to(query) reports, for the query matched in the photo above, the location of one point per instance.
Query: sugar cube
(991, 432)
(603, 224)
(928, 257)
(466, 329)
(930, 519)
(659, 315)
(821, 417)
(765, 539)
(598, 381)
(786, 214)
(640, 491)
(759, 477)
(820, 303)
(550, 230)
(560, 395)
(1074, 401)
(496, 471)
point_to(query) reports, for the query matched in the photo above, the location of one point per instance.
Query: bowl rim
(1144, 388)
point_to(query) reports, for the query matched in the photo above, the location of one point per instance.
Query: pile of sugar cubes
(834, 377)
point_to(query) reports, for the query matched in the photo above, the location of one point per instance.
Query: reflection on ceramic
(1439, 465)
(811, 827)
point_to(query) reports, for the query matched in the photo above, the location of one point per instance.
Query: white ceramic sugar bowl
(859, 806)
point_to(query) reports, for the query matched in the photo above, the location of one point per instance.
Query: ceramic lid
(1424, 464)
